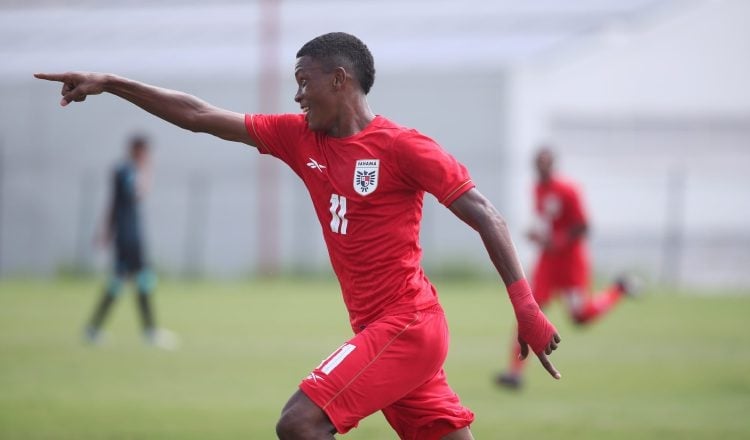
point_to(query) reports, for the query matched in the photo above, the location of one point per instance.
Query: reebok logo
(315, 165)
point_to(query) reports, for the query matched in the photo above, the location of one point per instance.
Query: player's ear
(339, 77)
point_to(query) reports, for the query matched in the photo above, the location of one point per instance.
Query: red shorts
(560, 272)
(395, 365)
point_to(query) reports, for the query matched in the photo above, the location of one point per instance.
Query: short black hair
(338, 47)
(547, 150)
(138, 142)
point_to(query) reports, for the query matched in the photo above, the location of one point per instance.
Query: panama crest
(366, 176)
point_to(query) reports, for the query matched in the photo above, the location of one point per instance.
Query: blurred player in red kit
(366, 177)
(559, 231)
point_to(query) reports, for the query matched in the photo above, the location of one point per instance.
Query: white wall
(57, 161)
(637, 106)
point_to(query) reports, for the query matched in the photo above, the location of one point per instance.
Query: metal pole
(268, 179)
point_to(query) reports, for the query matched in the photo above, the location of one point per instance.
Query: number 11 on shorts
(335, 358)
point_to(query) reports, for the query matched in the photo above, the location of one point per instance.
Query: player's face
(140, 155)
(315, 93)
(544, 163)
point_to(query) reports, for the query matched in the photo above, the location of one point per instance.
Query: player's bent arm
(534, 329)
(181, 109)
(476, 211)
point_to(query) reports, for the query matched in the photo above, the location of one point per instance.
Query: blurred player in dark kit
(366, 176)
(559, 231)
(123, 230)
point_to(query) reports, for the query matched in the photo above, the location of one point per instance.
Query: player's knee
(114, 285)
(146, 281)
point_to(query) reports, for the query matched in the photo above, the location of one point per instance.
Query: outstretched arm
(183, 110)
(533, 327)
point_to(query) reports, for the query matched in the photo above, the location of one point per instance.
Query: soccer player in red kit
(563, 265)
(366, 176)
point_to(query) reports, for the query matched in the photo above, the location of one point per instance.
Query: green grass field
(665, 366)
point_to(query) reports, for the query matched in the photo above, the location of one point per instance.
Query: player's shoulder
(384, 126)
(287, 120)
(122, 168)
(288, 123)
(403, 136)
(566, 185)
(293, 118)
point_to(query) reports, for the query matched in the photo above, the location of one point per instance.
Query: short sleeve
(428, 167)
(277, 135)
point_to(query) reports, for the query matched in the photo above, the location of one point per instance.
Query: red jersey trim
(250, 127)
(458, 192)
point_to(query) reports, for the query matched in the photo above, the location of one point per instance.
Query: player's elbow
(196, 121)
(187, 119)
(485, 218)
(491, 219)
(478, 212)
(198, 117)
(216, 122)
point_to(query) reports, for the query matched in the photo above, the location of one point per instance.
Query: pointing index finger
(548, 366)
(50, 76)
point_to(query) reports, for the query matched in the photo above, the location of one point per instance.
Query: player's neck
(355, 116)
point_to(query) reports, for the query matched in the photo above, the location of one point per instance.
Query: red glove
(533, 327)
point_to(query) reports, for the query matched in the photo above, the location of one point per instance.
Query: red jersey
(367, 191)
(559, 207)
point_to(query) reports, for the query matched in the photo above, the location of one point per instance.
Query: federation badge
(366, 176)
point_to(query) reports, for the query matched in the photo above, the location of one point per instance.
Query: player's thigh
(431, 411)
(574, 282)
(575, 288)
(573, 272)
(543, 282)
(378, 366)
(128, 258)
(302, 416)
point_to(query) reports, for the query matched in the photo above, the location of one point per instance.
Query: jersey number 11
(339, 221)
